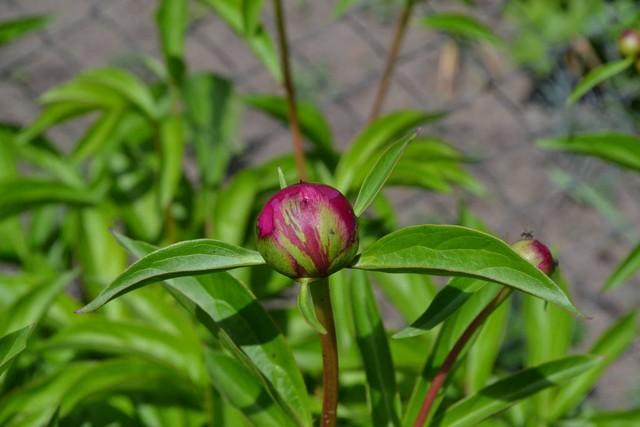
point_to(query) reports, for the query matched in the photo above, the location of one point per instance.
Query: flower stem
(445, 368)
(322, 301)
(392, 56)
(298, 150)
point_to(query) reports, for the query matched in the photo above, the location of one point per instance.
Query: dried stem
(322, 301)
(441, 375)
(298, 150)
(392, 57)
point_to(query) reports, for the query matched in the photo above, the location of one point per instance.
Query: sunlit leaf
(172, 20)
(12, 345)
(172, 151)
(625, 270)
(506, 392)
(308, 309)
(186, 258)
(618, 148)
(597, 76)
(460, 25)
(374, 138)
(379, 174)
(451, 250)
(15, 28)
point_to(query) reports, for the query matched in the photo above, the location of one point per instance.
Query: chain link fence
(586, 210)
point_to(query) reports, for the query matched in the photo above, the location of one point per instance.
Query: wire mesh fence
(588, 211)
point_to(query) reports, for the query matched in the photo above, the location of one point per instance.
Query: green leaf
(21, 194)
(597, 76)
(172, 21)
(12, 345)
(628, 418)
(50, 161)
(447, 301)
(374, 138)
(186, 258)
(460, 25)
(282, 179)
(611, 344)
(506, 392)
(251, 15)
(50, 116)
(379, 174)
(625, 271)
(171, 153)
(13, 29)
(106, 336)
(30, 307)
(409, 293)
(220, 301)
(458, 251)
(618, 148)
(484, 351)
(213, 113)
(245, 391)
(382, 394)
(233, 208)
(308, 309)
(449, 334)
(86, 94)
(125, 84)
(313, 124)
(547, 332)
(98, 135)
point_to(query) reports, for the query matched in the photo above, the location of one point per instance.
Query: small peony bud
(307, 231)
(629, 43)
(536, 253)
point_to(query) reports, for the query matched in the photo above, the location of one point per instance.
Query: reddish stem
(296, 136)
(441, 375)
(322, 301)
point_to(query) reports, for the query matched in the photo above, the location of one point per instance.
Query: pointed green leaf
(186, 258)
(372, 139)
(171, 154)
(459, 251)
(618, 148)
(282, 179)
(506, 392)
(12, 345)
(447, 301)
(244, 390)
(379, 174)
(308, 309)
(106, 336)
(625, 271)
(125, 84)
(21, 194)
(251, 15)
(382, 394)
(172, 21)
(458, 24)
(611, 344)
(220, 302)
(15, 28)
(597, 76)
(213, 113)
(628, 418)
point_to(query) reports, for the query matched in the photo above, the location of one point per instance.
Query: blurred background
(500, 99)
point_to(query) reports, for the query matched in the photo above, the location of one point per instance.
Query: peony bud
(536, 253)
(307, 231)
(629, 43)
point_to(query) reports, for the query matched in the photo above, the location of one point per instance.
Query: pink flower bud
(536, 253)
(307, 231)
(629, 43)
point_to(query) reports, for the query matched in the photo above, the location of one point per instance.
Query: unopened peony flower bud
(307, 231)
(629, 43)
(536, 253)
